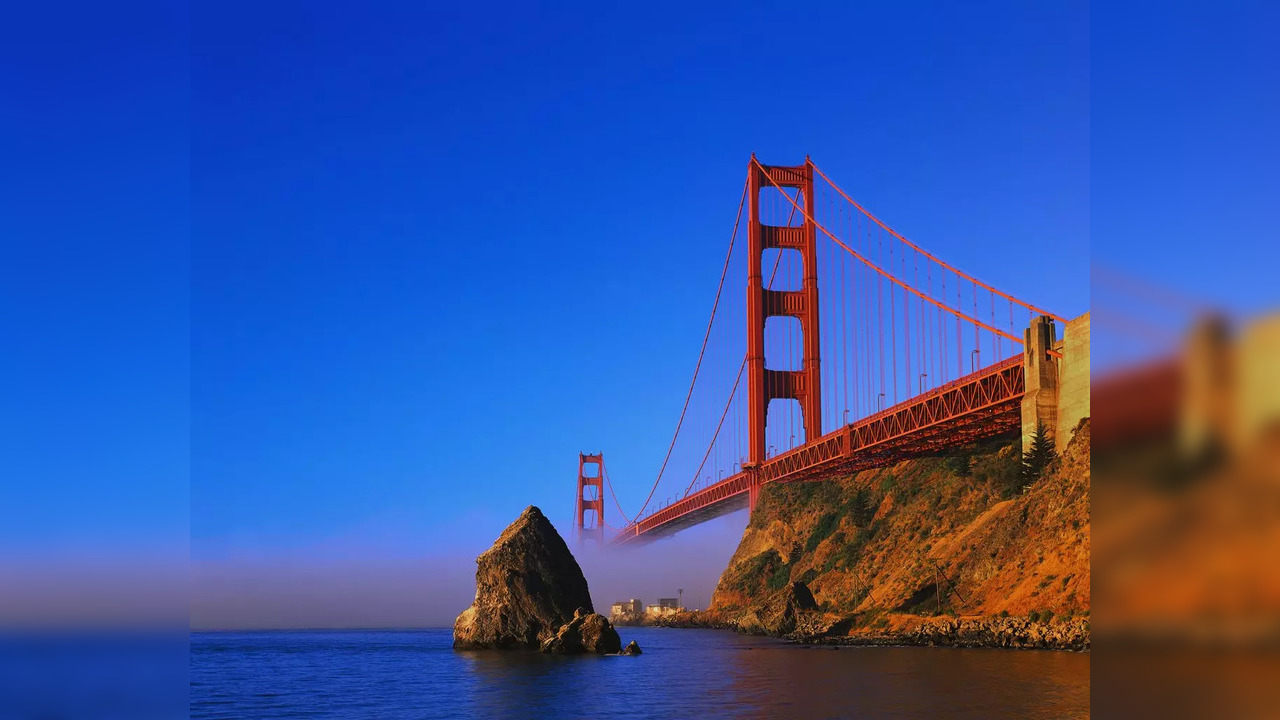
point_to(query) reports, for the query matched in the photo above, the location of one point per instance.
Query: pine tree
(1039, 455)
(860, 508)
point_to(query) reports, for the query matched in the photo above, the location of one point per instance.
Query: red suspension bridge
(901, 354)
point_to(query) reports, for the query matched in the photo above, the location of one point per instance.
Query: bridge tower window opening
(784, 269)
(783, 343)
(777, 206)
(785, 425)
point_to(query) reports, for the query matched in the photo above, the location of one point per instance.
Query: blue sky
(432, 254)
(436, 255)
(360, 283)
(94, 279)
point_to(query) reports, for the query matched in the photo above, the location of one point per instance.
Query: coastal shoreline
(998, 633)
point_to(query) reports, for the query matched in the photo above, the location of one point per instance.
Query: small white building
(666, 607)
(626, 612)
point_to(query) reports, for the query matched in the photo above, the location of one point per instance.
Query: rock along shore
(531, 594)
(782, 619)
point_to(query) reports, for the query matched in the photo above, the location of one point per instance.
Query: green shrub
(780, 577)
(757, 571)
(822, 530)
(850, 552)
(958, 465)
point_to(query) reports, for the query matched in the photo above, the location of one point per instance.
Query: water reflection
(416, 675)
(686, 673)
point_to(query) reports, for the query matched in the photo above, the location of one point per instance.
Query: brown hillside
(956, 535)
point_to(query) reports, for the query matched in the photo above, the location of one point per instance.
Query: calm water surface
(682, 673)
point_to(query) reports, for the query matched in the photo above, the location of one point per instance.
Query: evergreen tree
(1039, 455)
(860, 507)
(960, 465)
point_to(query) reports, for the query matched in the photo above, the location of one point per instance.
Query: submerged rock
(530, 593)
(631, 649)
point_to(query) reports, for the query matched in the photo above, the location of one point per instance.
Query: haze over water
(682, 673)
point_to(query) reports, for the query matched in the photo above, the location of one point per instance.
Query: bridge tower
(764, 384)
(590, 498)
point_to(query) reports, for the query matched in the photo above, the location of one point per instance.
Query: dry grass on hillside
(954, 535)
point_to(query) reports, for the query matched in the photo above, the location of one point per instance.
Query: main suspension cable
(609, 483)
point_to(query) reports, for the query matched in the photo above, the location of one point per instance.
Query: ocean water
(415, 674)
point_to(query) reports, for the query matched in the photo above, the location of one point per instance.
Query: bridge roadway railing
(979, 405)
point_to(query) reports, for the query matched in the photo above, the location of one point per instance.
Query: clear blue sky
(94, 278)
(436, 254)
(369, 277)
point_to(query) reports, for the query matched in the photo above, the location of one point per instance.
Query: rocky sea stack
(531, 594)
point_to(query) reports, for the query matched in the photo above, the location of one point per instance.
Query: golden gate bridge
(901, 354)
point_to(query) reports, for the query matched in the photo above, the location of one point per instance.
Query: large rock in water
(530, 593)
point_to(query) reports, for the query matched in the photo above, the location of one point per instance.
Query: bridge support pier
(1057, 377)
(1040, 403)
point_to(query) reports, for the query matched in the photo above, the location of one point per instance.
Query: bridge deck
(979, 405)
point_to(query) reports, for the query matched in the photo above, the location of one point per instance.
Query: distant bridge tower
(588, 519)
(803, 385)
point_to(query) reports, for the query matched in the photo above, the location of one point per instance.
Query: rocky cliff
(530, 593)
(941, 550)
